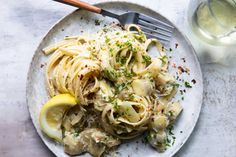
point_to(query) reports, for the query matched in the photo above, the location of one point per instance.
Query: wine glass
(213, 21)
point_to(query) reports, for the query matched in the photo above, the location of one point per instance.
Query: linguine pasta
(121, 91)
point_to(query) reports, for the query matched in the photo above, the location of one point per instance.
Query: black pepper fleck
(176, 45)
(163, 48)
(193, 81)
(183, 59)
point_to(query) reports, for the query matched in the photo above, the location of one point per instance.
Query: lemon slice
(52, 112)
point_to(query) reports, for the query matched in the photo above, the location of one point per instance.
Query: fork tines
(155, 28)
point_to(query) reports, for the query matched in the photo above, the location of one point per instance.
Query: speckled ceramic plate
(84, 22)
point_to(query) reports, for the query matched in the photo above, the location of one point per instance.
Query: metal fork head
(152, 28)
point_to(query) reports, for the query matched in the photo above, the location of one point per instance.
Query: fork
(152, 27)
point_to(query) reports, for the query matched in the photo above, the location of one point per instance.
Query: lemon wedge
(52, 112)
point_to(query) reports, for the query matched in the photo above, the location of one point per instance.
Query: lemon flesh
(52, 112)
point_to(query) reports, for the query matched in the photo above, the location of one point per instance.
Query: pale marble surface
(24, 22)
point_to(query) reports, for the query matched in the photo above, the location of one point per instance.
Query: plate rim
(196, 117)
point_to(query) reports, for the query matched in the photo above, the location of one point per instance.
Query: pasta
(115, 82)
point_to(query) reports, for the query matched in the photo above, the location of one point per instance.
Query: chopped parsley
(146, 59)
(134, 50)
(76, 134)
(77, 131)
(163, 59)
(170, 113)
(118, 44)
(140, 36)
(107, 40)
(176, 85)
(105, 30)
(111, 99)
(123, 60)
(120, 87)
(131, 96)
(170, 129)
(111, 50)
(124, 45)
(148, 137)
(127, 73)
(97, 22)
(167, 142)
(170, 140)
(124, 72)
(128, 44)
(173, 141)
(111, 74)
(187, 85)
(116, 106)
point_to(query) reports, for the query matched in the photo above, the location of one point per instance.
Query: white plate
(73, 24)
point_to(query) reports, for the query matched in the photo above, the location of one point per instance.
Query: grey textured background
(24, 22)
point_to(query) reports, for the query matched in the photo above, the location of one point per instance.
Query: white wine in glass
(215, 21)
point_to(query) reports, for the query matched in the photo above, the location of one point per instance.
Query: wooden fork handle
(80, 4)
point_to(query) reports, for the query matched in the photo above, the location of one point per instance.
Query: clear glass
(214, 21)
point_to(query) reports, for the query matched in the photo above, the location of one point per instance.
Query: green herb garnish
(140, 36)
(164, 59)
(187, 85)
(170, 129)
(107, 39)
(148, 137)
(128, 44)
(77, 131)
(111, 74)
(170, 113)
(131, 96)
(118, 44)
(105, 30)
(111, 99)
(123, 60)
(76, 134)
(176, 85)
(111, 49)
(167, 142)
(173, 141)
(170, 140)
(120, 87)
(146, 59)
(116, 106)
(128, 74)
(97, 22)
